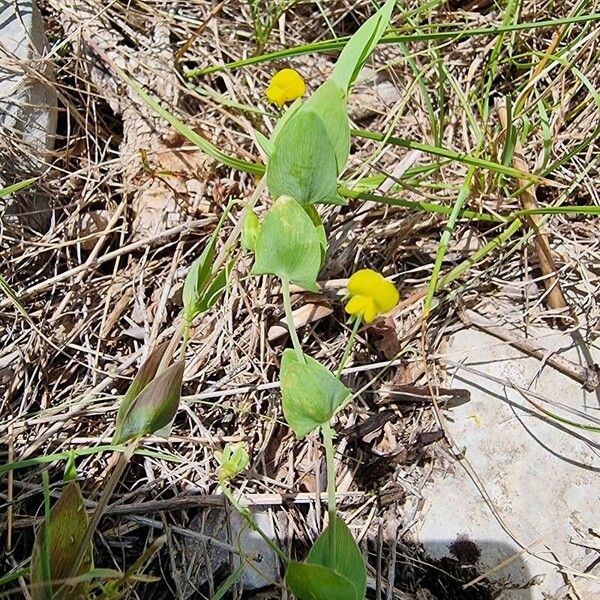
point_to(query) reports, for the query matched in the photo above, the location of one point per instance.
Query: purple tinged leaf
(154, 407)
(144, 376)
(66, 529)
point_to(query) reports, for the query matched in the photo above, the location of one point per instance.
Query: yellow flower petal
(363, 282)
(286, 85)
(370, 313)
(362, 307)
(386, 295)
(371, 295)
(355, 306)
(275, 95)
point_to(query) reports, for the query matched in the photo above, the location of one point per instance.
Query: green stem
(289, 317)
(185, 339)
(327, 432)
(348, 348)
(46, 566)
(247, 516)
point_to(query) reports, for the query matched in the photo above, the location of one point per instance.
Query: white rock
(28, 109)
(27, 102)
(262, 567)
(541, 476)
(202, 561)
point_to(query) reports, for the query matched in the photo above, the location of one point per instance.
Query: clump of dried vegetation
(472, 179)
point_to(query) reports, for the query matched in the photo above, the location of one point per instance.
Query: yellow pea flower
(371, 295)
(286, 85)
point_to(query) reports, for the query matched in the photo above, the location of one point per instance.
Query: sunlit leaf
(250, 231)
(310, 393)
(196, 282)
(233, 461)
(329, 103)
(345, 557)
(303, 162)
(63, 535)
(288, 245)
(359, 47)
(315, 582)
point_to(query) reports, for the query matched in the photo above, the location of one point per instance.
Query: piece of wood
(555, 298)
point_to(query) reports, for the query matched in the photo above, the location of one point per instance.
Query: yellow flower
(371, 295)
(286, 85)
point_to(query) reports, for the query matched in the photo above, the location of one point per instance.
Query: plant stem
(109, 488)
(289, 318)
(247, 516)
(327, 432)
(185, 339)
(348, 348)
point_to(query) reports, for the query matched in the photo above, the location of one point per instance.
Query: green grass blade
(14, 299)
(15, 187)
(189, 133)
(408, 37)
(445, 240)
(419, 206)
(466, 159)
(49, 458)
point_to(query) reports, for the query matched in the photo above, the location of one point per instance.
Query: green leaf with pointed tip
(288, 245)
(250, 230)
(310, 394)
(329, 103)
(347, 559)
(214, 290)
(144, 376)
(263, 142)
(197, 280)
(303, 162)
(359, 47)
(234, 460)
(70, 468)
(66, 529)
(315, 582)
(154, 407)
(285, 117)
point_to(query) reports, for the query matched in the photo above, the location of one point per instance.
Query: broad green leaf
(347, 559)
(154, 407)
(310, 393)
(65, 529)
(359, 47)
(196, 281)
(285, 117)
(288, 245)
(303, 163)
(144, 376)
(315, 582)
(329, 103)
(250, 230)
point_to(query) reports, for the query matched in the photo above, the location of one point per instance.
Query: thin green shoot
(409, 37)
(445, 240)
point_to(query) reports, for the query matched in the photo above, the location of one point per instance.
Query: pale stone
(27, 101)
(541, 476)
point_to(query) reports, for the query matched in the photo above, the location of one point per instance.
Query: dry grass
(100, 271)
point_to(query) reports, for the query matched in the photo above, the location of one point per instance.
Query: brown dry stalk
(555, 298)
(588, 377)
